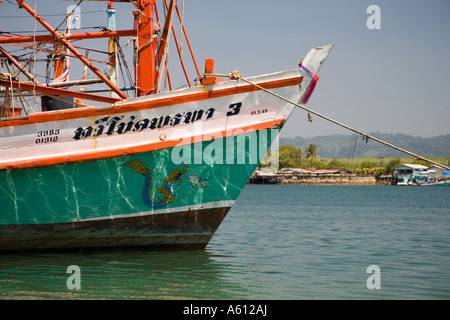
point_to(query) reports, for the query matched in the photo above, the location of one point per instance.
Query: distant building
(334, 172)
(312, 171)
(261, 177)
(407, 170)
(295, 171)
(410, 174)
(436, 169)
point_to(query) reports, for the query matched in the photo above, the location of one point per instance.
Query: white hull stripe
(209, 205)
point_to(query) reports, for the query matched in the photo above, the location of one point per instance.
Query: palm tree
(311, 152)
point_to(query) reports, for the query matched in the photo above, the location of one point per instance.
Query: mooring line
(235, 75)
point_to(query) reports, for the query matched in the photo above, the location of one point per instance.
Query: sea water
(277, 242)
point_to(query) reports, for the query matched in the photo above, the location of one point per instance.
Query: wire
(235, 75)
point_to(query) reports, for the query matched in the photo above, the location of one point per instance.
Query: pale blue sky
(396, 79)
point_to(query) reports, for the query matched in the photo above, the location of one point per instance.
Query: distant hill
(342, 146)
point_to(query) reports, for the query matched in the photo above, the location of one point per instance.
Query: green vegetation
(292, 157)
(289, 156)
(312, 152)
(356, 146)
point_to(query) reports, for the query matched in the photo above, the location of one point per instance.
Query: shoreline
(345, 180)
(323, 180)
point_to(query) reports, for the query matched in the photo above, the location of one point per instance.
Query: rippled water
(277, 242)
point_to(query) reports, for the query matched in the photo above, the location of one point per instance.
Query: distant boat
(405, 181)
(425, 178)
(433, 183)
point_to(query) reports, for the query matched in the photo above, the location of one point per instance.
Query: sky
(395, 79)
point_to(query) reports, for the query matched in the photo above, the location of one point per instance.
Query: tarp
(446, 173)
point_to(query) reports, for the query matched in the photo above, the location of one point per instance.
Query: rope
(235, 75)
(181, 27)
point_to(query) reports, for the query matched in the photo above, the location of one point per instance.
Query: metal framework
(151, 51)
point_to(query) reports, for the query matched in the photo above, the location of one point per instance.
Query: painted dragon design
(167, 187)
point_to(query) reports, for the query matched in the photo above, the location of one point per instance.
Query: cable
(235, 75)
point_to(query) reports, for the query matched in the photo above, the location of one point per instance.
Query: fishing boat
(426, 177)
(434, 183)
(138, 166)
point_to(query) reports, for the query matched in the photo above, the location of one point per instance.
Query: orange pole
(145, 64)
(59, 61)
(58, 36)
(179, 52)
(189, 44)
(162, 50)
(181, 58)
(56, 91)
(74, 36)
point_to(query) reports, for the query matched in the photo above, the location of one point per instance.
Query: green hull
(170, 197)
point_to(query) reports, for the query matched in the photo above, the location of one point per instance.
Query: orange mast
(145, 46)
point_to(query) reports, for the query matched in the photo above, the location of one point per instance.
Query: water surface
(277, 242)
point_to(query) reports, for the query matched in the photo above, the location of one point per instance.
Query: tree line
(347, 146)
(308, 157)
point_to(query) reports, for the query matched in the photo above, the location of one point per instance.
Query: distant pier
(317, 177)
